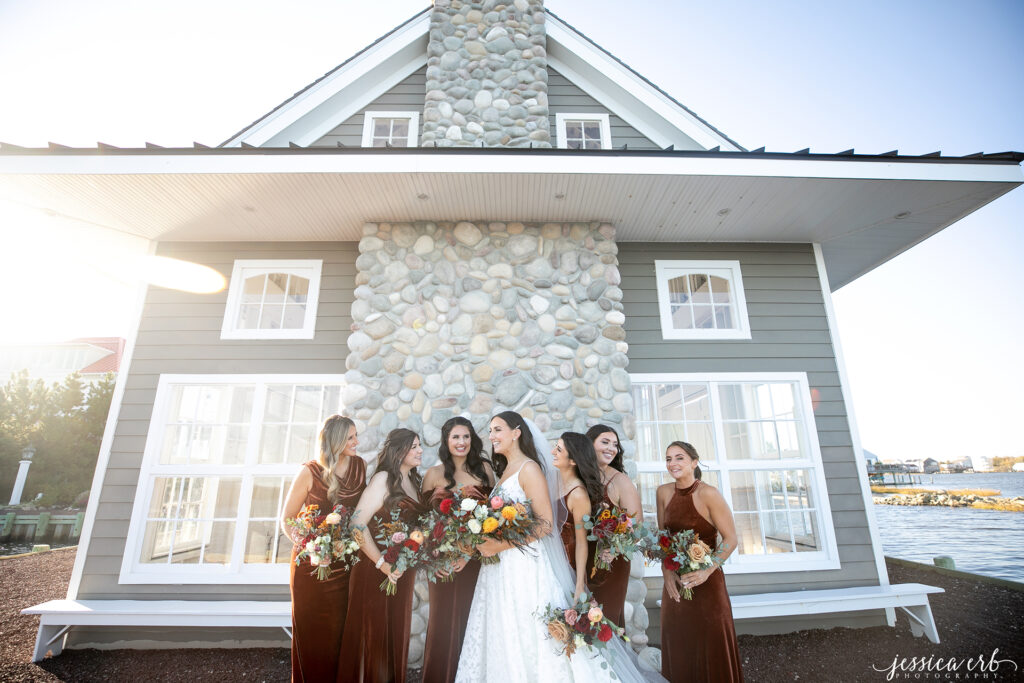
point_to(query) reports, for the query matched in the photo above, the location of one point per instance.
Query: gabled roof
(345, 90)
(111, 362)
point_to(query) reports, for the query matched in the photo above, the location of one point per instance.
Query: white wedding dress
(505, 638)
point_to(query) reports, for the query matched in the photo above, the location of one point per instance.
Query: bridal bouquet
(470, 522)
(682, 552)
(583, 624)
(403, 548)
(324, 539)
(617, 535)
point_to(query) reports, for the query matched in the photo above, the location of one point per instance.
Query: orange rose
(698, 551)
(558, 631)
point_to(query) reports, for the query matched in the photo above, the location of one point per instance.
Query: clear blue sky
(931, 338)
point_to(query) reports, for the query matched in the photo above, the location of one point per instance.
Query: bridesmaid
(698, 640)
(375, 645)
(462, 468)
(573, 456)
(610, 585)
(319, 607)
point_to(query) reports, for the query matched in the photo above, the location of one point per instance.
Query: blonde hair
(333, 436)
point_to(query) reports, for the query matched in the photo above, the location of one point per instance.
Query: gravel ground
(974, 618)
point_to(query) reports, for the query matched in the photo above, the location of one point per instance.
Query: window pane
(643, 400)
(647, 484)
(703, 317)
(678, 292)
(670, 402)
(647, 444)
(699, 289)
(279, 404)
(669, 433)
(723, 318)
(783, 400)
(273, 315)
(272, 443)
(697, 402)
(776, 532)
(156, 542)
(277, 286)
(259, 542)
(217, 550)
(720, 290)
(249, 317)
(399, 131)
(701, 437)
(266, 497)
(745, 401)
(175, 447)
(592, 129)
(748, 533)
(805, 532)
(332, 401)
(284, 549)
(382, 128)
(573, 130)
(298, 289)
(307, 404)
(744, 492)
(252, 290)
(790, 443)
(302, 443)
(227, 494)
(682, 317)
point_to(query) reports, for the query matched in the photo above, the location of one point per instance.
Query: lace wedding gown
(505, 637)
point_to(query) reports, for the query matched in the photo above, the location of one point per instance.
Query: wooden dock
(891, 475)
(40, 527)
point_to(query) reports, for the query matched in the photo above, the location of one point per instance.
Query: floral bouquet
(324, 539)
(682, 552)
(617, 535)
(583, 624)
(403, 548)
(470, 522)
(442, 549)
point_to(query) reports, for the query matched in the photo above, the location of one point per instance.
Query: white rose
(310, 546)
(314, 560)
(474, 526)
(468, 504)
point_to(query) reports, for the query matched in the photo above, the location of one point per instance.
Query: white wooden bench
(56, 617)
(912, 598)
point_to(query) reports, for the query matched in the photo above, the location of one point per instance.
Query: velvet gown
(319, 607)
(698, 639)
(375, 645)
(449, 609)
(568, 534)
(609, 585)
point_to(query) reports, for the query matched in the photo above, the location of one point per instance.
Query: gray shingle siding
(565, 97)
(406, 96)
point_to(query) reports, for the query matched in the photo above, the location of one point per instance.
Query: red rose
(445, 506)
(670, 564)
(664, 542)
(582, 625)
(605, 634)
(438, 530)
(409, 543)
(392, 554)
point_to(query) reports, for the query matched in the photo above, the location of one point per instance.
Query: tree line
(64, 423)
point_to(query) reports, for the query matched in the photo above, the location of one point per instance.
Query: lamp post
(19, 483)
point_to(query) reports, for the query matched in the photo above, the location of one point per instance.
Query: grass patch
(953, 492)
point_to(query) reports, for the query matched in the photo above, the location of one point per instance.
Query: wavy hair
(396, 446)
(515, 421)
(332, 438)
(474, 458)
(580, 448)
(690, 451)
(598, 430)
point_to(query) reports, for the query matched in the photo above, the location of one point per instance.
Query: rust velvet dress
(698, 639)
(609, 585)
(449, 610)
(375, 645)
(568, 534)
(319, 607)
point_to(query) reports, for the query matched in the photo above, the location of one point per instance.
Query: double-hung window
(758, 445)
(221, 453)
(701, 300)
(272, 299)
(394, 128)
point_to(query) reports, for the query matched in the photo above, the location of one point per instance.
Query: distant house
(483, 211)
(930, 465)
(91, 357)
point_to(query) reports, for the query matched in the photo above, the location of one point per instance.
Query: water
(19, 547)
(989, 542)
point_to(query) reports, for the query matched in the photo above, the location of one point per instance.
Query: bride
(505, 637)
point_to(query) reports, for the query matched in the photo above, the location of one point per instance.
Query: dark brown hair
(598, 430)
(474, 458)
(515, 421)
(396, 446)
(580, 449)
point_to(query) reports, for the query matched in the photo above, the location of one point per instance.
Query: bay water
(989, 542)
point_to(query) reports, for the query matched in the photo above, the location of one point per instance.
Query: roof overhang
(862, 210)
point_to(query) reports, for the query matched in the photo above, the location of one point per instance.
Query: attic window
(395, 128)
(272, 299)
(583, 131)
(701, 300)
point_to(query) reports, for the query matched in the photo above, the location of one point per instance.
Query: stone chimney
(487, 77)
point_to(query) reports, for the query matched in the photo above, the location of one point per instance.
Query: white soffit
(849, 207)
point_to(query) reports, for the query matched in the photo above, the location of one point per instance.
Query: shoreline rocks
(944, 499)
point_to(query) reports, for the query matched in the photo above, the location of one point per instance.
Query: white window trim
(825, 559)
(606, 127)
(133, 572)
(310, 268)
(666, 270)
(370, 115)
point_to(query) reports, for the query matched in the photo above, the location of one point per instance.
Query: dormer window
(272, 299)
(583, 131)
(394, 128)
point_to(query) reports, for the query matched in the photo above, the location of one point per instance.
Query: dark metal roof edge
(645, 80)
(329, 73)
(978, 157)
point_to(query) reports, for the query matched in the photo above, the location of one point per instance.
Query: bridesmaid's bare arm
(626, 496)
(432, 479)
(300, 487)
(579, 505)
(372, 500)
